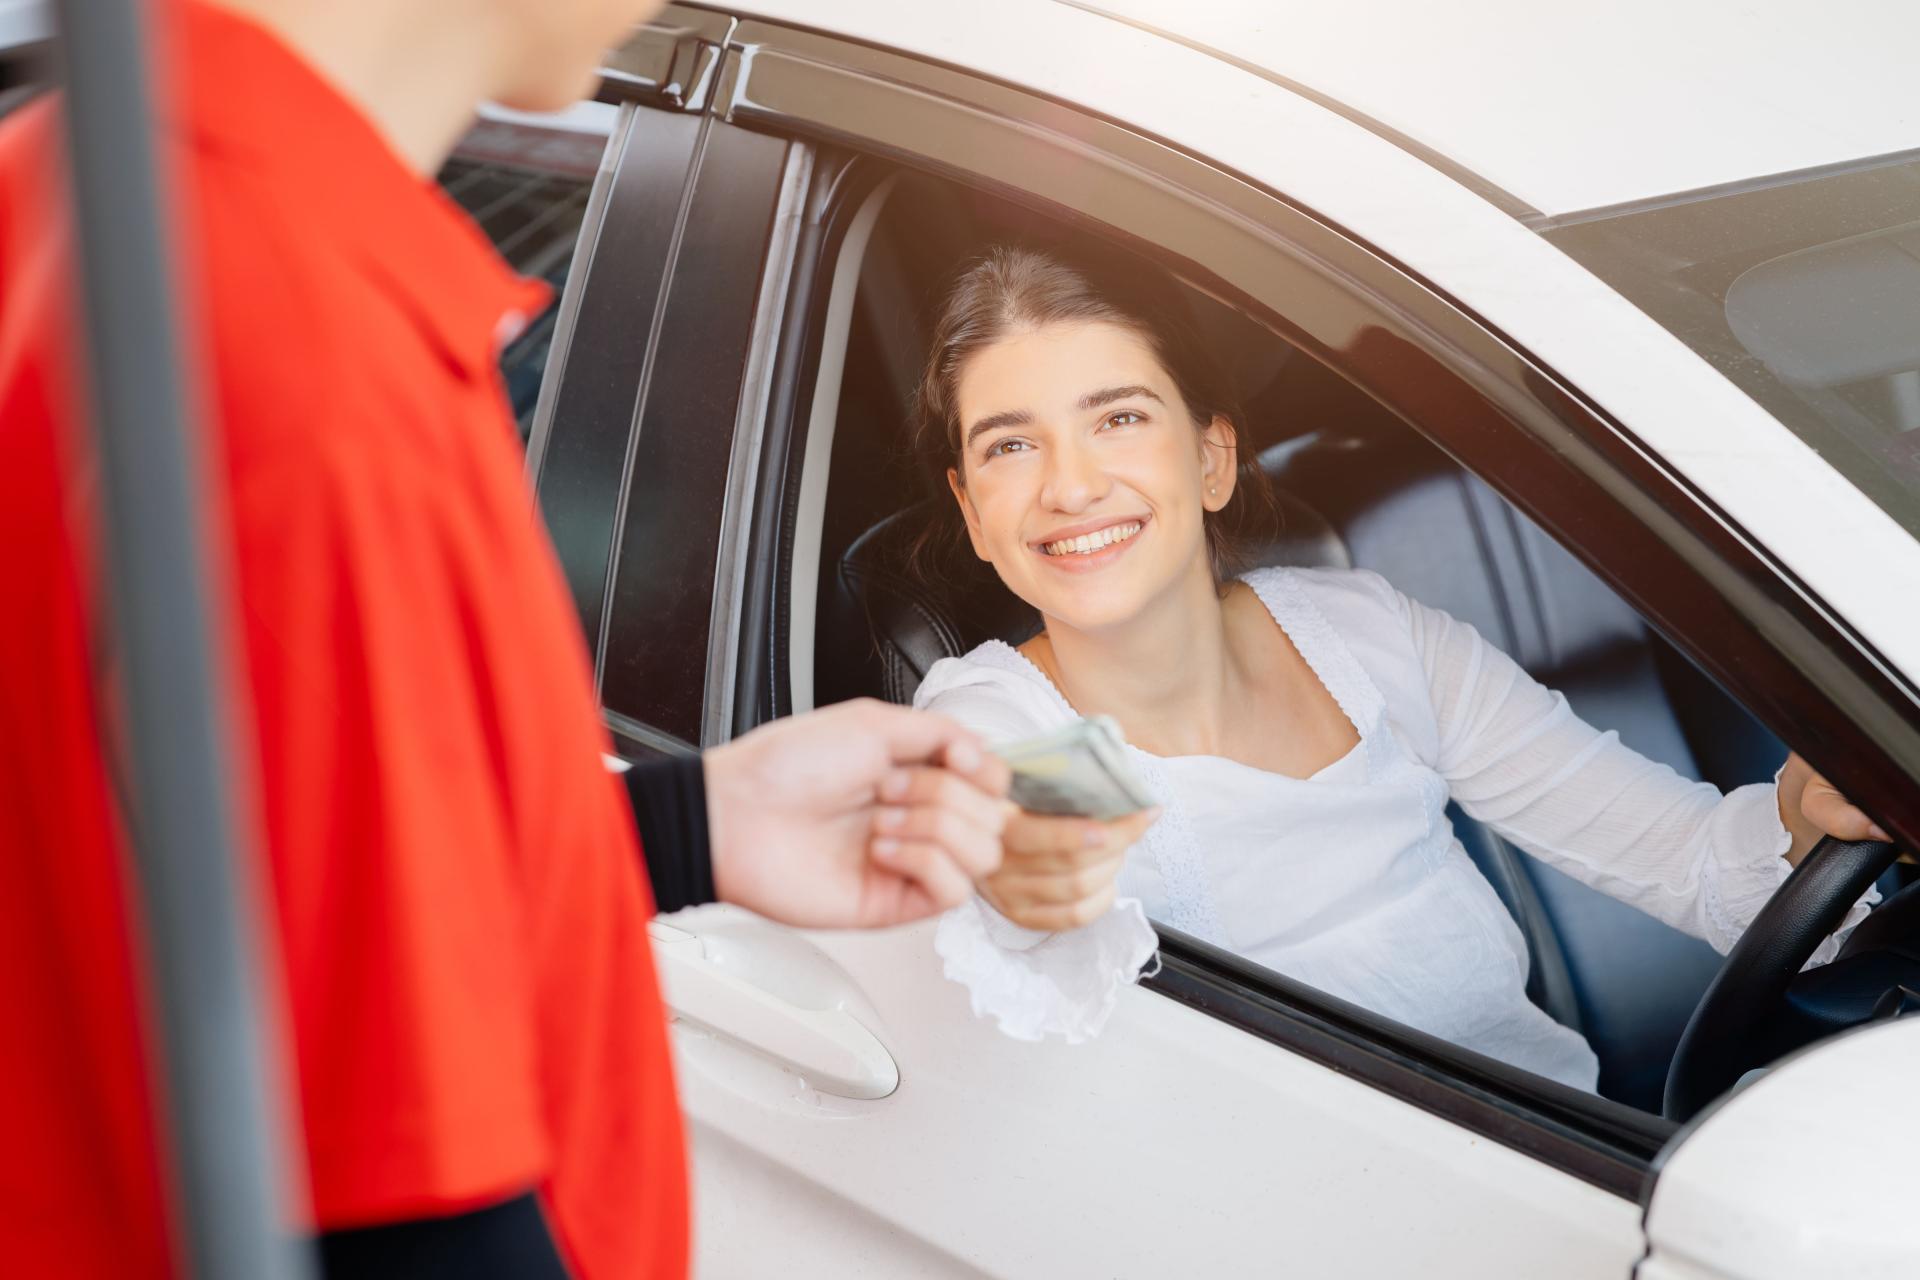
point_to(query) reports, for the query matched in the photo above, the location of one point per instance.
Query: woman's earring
(1213, 488)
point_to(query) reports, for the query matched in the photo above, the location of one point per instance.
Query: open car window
(1360, 487)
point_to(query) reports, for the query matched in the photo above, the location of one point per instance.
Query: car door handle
(828, 1048)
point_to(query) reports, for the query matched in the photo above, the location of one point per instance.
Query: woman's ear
(1219, 462)
(968, 514)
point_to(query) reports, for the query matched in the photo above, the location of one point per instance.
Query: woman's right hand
(1059, 873)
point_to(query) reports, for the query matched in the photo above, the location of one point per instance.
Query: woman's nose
(1074, 480)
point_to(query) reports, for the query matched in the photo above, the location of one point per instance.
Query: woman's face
(1082, 476)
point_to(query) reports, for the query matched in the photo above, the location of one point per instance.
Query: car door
(848, 1113)
(1217, 1128)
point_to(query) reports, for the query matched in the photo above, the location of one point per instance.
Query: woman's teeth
(1087, 543)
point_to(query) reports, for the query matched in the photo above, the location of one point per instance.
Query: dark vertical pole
(194, 910)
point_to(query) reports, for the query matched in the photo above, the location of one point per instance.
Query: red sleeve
(402, 922)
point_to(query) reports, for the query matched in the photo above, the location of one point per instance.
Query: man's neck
(1167, 675)
(416, 70)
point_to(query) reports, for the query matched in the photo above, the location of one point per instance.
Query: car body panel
(1836, 1146)
(1174, 1144)
(1571, 108)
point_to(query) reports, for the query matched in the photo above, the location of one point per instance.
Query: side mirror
(1803, 1174)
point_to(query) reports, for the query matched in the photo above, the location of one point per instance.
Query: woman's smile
(1090, 546)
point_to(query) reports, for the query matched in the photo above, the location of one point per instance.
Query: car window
(1358, 486)
(1804, 289)
(525, 181)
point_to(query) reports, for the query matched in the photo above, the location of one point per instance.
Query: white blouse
(1352, 880)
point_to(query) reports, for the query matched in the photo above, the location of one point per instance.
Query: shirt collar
(247, 96)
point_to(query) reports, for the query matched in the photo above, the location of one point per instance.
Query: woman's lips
(1098, 558)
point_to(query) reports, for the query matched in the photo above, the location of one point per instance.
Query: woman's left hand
(1812, 807)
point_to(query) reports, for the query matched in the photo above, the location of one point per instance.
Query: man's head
(418, 68)
(554, 47)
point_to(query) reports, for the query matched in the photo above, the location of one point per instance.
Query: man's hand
(856, 816)
(1059, 873)
(1812, 807)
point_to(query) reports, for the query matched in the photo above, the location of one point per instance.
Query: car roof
(1565, 107)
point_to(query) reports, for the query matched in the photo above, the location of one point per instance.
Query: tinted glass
(584, 457)
(656, 656)
(527, 185)
(1805, 291)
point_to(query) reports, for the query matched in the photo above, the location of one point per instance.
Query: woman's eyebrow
(995, 421)
(1107, 395)
(1022, 418)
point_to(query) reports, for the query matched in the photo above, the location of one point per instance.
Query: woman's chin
(1088, 612)
(1110, 592)
(1105, 602)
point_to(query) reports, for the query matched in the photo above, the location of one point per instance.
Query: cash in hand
(1078, 770)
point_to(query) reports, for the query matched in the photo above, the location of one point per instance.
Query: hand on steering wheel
(1813, 808)
(1760, 1005)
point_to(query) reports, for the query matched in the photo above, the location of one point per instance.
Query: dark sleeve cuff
(669, 798)
(507, 1241)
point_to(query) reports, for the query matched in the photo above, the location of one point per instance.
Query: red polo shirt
(459, 899)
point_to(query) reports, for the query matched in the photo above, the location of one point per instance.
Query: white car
(1597, 327)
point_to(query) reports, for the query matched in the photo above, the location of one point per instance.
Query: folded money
(1078, 770)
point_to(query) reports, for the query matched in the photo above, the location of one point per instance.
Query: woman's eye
(1124, 418)
(1012, 444)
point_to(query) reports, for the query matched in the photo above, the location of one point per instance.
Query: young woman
(1303, 729)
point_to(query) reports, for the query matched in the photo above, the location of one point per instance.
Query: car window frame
(665, 68)
(602, 344)
(567, 307)
(1479, 395)
(705, 365)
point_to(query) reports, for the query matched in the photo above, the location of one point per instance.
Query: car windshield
(1804, 290)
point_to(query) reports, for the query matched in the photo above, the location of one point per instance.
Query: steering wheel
(1760, 1005)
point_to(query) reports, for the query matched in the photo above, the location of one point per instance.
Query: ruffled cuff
(1039, 984)
(1748, 864)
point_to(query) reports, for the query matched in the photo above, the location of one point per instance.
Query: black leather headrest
(911, 624)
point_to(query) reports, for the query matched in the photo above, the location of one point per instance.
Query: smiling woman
(1114, 363)
(1303, 730)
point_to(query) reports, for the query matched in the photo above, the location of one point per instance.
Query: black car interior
(1357, 487)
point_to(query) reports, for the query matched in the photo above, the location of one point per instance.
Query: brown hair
(1010, 288)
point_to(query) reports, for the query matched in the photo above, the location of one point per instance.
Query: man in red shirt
(458, 899)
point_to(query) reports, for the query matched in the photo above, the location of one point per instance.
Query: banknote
(1079, 770)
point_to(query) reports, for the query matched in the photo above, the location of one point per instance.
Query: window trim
(777, 280)
(1602, 1142)
(802, 571)
(763, 681)
(721, 154)
(1678, 560)
(668, 62)
(643, 387)
(635, 740)
(592, 223)
(616, 357)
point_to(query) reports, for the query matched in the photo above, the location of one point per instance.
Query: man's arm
(858, 815)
